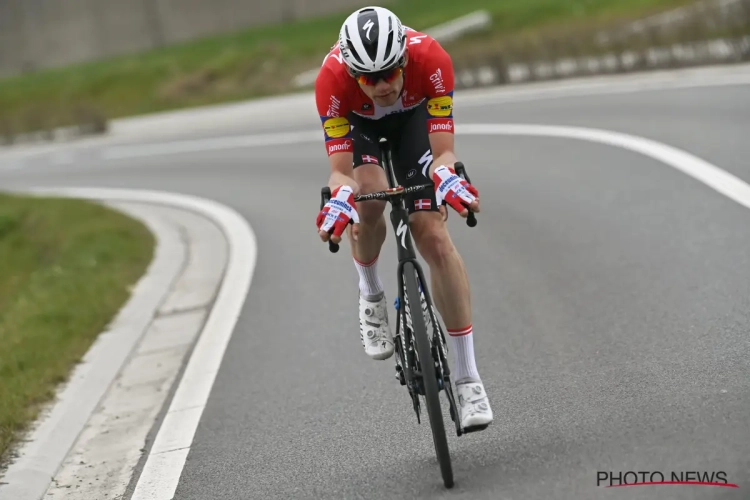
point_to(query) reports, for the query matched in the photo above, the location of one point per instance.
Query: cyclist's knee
(370, 178)
(370, 212)
(431, 236)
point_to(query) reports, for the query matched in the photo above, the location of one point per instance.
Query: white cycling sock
(369, 281)
(462, 345)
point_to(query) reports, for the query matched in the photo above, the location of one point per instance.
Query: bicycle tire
(429, 379)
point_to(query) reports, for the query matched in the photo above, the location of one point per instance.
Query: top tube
(391, 192)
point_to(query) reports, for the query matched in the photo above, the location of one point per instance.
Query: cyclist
(385, 79)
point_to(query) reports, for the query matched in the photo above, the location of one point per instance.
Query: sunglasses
(373, 78)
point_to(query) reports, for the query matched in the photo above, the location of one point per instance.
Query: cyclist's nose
(382, 86)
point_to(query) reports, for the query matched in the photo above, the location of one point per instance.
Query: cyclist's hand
(336, 214)
(455, 191)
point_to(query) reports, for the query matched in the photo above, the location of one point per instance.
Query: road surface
(611, 296)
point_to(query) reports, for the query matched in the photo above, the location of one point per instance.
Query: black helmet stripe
(350, 47)
(369, 31)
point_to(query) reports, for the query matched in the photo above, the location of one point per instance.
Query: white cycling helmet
(372, 39)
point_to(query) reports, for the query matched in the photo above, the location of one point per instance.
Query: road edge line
(53, 434)
(166, 459)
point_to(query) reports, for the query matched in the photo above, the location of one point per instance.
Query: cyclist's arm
(336, 130)
(342, 172)
(439, 85)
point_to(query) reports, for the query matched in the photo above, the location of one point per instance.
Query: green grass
(66, 268)
(262, 61)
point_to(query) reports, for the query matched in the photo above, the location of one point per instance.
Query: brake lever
(471, 219)
(325, 196)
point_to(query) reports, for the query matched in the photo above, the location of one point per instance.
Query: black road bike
(421, 352)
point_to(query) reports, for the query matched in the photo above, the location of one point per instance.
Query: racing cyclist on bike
(384, 79)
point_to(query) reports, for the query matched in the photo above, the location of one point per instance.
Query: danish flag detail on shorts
(423, 204)
(369, 159)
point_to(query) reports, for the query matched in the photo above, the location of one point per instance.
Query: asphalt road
(611, 297)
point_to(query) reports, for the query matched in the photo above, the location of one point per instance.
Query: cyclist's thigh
(413, 159)
(366, 158)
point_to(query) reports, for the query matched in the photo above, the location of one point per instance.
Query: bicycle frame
(421, 353)
(395, 195)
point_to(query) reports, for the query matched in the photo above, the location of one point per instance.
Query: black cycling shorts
(410, 146)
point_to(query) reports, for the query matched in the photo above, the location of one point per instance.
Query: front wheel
(429, 379)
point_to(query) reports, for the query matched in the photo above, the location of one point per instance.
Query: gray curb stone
(90, 440)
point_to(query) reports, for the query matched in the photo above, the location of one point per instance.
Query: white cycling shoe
(473, 405)
(374, 329)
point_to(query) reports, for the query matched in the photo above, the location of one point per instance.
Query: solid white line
(163, 467)
(214, 144)
(46, 447)
(712, 176)
(595, 86)
(287, 110)
(166, 461)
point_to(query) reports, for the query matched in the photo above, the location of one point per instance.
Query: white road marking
(165, 462)
(164, 466)
(595, 86)
(712, 176)
(299, 109)
(603, 85)
(214, 144)
(53, 435)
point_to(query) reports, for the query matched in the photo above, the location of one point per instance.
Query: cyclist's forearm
(448, 159)
(339, 179)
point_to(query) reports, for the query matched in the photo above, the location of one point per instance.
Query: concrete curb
(97, 428)
(676, 56)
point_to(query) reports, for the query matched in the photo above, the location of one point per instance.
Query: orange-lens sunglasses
(373, 78)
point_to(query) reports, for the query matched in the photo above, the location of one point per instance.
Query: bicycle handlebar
(325, 195)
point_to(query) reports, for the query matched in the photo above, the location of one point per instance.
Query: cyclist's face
(386, 91)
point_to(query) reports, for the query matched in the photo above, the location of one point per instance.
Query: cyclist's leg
(373, 308)
(450, 283)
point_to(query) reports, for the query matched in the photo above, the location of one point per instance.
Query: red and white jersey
(428, 75)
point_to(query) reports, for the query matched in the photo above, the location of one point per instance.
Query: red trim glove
(452, 189)
(338, 212)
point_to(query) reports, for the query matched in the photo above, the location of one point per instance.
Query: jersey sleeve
(438, 72)
(331, 104)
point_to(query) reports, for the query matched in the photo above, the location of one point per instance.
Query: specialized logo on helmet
(368, 27)
(365, 41)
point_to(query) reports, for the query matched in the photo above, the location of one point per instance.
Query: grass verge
(262, 61)
(66, 268)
